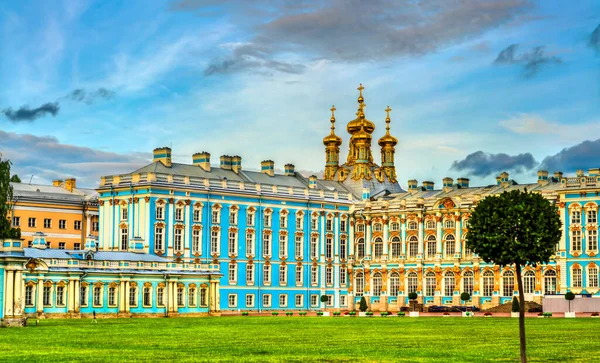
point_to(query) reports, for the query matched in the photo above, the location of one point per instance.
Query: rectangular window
(314, 300)
(97, 296)
(179, 214)
(159, 238)
(266, 244)
(343, 300)
(133, 297)
(233, 218)
(47, 223)
(576, 216)
(112, 296)
(196, 241)
(343, 225)
(77, 246)
(592, 240)
(299, 300)
(299, 220)
(592, 216)
(214, 242)
(282, 301)
(314, 275)
(249, 218)
(83, 296)
(48, 244)
(577, 277)
(160, 213)
(197, 214)
(249, 274)
(180, 296)
(314, 223)
(592, 277)
(250, 244)
(31, 223)
(232, 273)
(61, 245)
(329, 275)
(282, 245)
(267, 274)
(60, 296)
(215, 216)
(329, 248)
(298, 247)
(124, 239)
(282, 222)
(267, 220)
(267, 300)
(16, 221)
(282, 275)
(343, 248)
(576, 240)
(329, 301)
(46, 296)
(232, 243)
(178, 240)
(508, 285)
(147, 297)
(95, 226)
(160, 296)
(124, 213)
(313, 246)
(250, 301)
(77, 225)
(329, 225)
(299, 275)
(28, 295)
(343, 276)
(192, 296)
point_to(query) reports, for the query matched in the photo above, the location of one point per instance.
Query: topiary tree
(515, 228)
(324, 299)
(412, 296)
(465, 296)
(363, 305)
(515, 305)
(569, 296)
(6, 197)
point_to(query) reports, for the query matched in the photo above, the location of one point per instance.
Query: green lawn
(433, 339)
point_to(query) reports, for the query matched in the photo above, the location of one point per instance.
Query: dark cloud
(81, 95)
(26, 114)
(48, 159)
(531, 62)
(595, 40)
(580, 156)
(348, 30)
(484, 164)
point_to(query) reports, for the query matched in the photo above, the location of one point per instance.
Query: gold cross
(388, 109)
(332, 109)
(361, 88)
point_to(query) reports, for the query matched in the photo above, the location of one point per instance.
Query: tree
(363, 305)
(465, 296)
(15, 179)
(412, 296)
(569, 296)
(324, 298)
(515, 305)
(515, 228)
(6, 196)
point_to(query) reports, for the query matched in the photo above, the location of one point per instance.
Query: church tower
(359, 154)
(388, 143)
(332, 144)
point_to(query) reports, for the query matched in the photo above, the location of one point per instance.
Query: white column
(88, 223)
(40, 295)
(421, 242)
(438, 237)
(368, 237)
(18, 299)
(187, 232)
(458, 235)
(351, 239)
(121, 296)
(403, 234)
(70, 303)
(169, 218)
(127, 296)
(386, 237)
(9, 293)
(76, 294)
(336, 239)
(322, 244)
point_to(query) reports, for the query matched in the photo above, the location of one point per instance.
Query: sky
(90, 88)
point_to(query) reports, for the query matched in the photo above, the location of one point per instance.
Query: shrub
(363, 304)
(244, 313)
(595, 314)
(319, 313)
(275, 313)
(302, 313)
(465, 296)
(384, 313)
(352, 313)
(289, 313)
(336, 313)
(536, 309)
(446, 313)
(401, 313)
(515, 305)
(369, 313)
(487, 314)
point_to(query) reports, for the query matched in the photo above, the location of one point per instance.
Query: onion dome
(332, 138)
(362, 134)
(360, 121)
(387, 139)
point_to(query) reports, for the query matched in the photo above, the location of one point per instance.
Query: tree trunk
(521, 314)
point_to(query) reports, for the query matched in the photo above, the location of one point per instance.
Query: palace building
(193, 238)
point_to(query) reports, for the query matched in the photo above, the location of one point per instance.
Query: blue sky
(89, 88)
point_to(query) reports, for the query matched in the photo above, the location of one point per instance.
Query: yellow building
(64, 213)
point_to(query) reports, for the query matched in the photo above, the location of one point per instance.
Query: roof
(53, 193)
(99, 256)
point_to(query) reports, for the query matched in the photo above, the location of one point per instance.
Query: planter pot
(361, 313)
(413, 314)
(446, 316)
(570, 315)
(514, 315)
(469, 315)
(595, 317)
(541, 316)
(487, 316)
(326, 313)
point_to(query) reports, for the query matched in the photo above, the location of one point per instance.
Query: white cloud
(531, 124)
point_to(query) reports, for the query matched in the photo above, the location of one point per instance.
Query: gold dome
(332, 138)
(360, 121)
(362, 134)
(388, 139)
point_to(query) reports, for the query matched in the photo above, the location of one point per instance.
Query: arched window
(413, 246)
(430, 283)
(488, 283)
(377, 248)
(450, 246)
(550, 282)
(360, 227)
(412, 225)
(592, 276)
(508, 283)
(359, 284)
(430, 224)
(449, 223)
(394, 226)
(396, 248)
(467, 282)
(377, 227)
(412, 283)
(360, 248)
(377, 283)
(529, 282)
(576, 276)
(394, 284)
(431, 246)
(449, 283)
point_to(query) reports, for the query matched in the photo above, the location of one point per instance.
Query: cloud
(580, 156)
(595, 40)
(24, 113)
(531, 62)
(81, 95)
(483, 164)
(348, 31)
(48, 159)
(531, 124)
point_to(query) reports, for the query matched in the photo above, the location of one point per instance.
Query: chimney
(289, 169)
(202, 160)
(463, 182)
(236, 163)
(268, 167)
(580, 172)
(498, 180)
(428, 185)
(312, 181)
(447, 184)
(542, 177)
(57, 182)
(226, 162)
(594, 171)
(558, 175)
(163, 154)
(504, 179)
(70, 184)
(413, 185)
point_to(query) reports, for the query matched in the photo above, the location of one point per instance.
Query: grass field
(281, 338)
